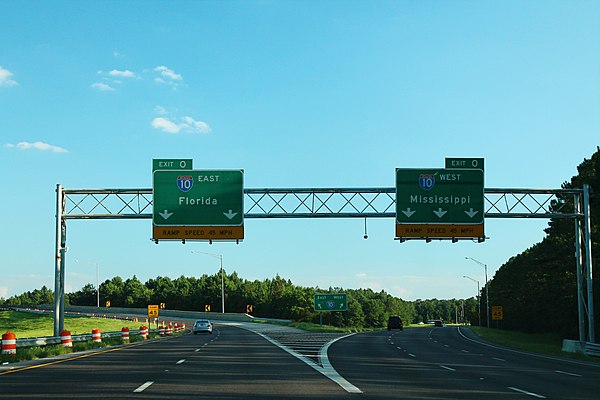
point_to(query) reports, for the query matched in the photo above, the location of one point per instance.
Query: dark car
(439, 323)
(394, 322)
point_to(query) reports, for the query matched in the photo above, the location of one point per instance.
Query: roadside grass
(547, 344)
(310, 327)
(29, 325)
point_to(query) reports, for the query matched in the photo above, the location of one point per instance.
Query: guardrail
(592, 349)
(51, 340)
(575, 346)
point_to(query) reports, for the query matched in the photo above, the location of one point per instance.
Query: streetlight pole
(220, 257)
(97, 287)
(487, 293)
(478, 299)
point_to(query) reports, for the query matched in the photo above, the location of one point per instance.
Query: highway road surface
(259, 361)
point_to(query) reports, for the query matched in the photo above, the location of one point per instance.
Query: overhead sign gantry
(86, 204)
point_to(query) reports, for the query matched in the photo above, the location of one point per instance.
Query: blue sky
(298, 94)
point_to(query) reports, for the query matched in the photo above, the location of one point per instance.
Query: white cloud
(196, 126)
(165, 125)
(5, 78)
(37, 146)
(103, 87)
(167, 73)
(123, 74)
(186, 124)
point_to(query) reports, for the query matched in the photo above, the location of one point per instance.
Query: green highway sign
(439, 196)
(171, 163)
(331, 302)
(198, 198)
(473, 163)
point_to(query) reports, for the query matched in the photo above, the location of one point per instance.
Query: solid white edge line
(327, 369)
(539, 396)
(143, 387)
(568, 373)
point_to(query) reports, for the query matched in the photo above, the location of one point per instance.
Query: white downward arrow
(439, 212)
(471, 213)
(165, 214)
(408, 212)
(230, 214)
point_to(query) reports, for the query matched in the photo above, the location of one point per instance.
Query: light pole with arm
(487, 293)
(220, 257)
(478, 302)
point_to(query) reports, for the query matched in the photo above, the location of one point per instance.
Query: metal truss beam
(320, 203)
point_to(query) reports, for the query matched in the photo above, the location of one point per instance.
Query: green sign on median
(439, 196)
(198, 198)
(331, 302)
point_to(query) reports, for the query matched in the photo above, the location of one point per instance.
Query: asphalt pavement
(263, 361)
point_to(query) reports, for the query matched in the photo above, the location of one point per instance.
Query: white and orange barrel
(176, 328)
(125, 334)
(169, 329)
(9, 343)
(144, 332)
(161, 330)
(96, 335)
(65, 339)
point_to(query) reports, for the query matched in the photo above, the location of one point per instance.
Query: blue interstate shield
(426, 181)
(185, 183)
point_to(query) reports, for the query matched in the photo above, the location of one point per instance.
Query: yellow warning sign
(152, 310)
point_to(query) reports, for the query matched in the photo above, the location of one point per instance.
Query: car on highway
(202, 326)
(394, 322)
(438, 323)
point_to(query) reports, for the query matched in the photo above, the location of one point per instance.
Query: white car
(202, 325)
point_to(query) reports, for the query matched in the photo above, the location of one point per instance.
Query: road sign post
(198, 204)
(439, 203)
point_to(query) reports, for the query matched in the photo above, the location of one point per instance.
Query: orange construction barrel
(125, 334)
(144, 332)
(96, 335)
(9, 343)
(65, 339)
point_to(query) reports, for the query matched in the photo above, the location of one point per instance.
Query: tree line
(537, 288)
(272, 298)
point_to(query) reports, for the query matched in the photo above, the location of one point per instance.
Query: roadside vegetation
(31, 325)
